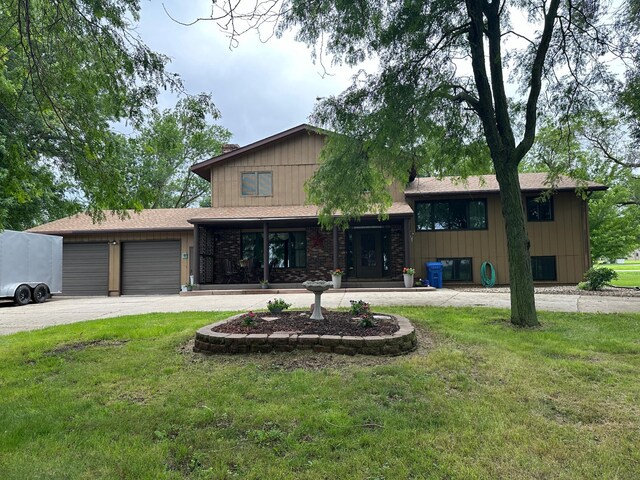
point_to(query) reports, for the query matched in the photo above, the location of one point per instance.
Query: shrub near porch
(126, 398)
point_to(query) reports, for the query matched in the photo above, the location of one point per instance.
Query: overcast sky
(260, 88)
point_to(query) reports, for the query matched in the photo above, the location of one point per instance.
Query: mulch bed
(334, 323)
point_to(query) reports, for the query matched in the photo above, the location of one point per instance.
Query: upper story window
(257, 184)
(540, 209)
(451, 215)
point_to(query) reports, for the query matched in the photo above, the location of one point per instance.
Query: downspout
(587, 241)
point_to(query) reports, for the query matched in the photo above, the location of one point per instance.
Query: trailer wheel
(40, 293)
(22, 295)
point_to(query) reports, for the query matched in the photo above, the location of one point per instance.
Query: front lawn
(628, 274)
(123, 398)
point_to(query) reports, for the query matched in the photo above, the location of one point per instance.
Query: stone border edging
(402, 341)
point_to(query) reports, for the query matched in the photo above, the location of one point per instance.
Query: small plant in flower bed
(249, 319)
(359, 307)
(596, 278)
(365, 320)
(277, 305)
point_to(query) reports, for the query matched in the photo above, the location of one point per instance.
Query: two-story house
(259, 227)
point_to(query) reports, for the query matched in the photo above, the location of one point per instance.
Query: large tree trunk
(523, 307)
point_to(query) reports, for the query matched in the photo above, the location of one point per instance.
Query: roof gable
(202, 168)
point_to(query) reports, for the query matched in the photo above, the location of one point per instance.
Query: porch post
(265, 247)
(195, 261)
(407, 243)
(335, 247)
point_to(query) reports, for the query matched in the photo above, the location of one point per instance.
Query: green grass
(628, 274)
(480, 400)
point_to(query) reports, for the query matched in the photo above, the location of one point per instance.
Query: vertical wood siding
(292, 161)
(563, 238)
(185, 238)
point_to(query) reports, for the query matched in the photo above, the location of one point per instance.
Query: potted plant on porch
(407, 273)
(336, 277)
(264, 283)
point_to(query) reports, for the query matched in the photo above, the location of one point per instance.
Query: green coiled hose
(486, 281)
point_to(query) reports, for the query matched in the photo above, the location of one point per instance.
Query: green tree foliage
(68, 70)
(614, 228)
(164, 148)
(441, 92)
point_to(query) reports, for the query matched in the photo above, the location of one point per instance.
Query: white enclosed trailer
(30, 266)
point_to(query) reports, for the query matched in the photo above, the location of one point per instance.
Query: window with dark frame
(544, 268)
(539, 209)
(451, 215)
(286, 249)
(257, 184)
(456, 269)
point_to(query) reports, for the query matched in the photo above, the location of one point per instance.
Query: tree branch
(531, 115)
(485, 105)
(503, 121)
(607, 152)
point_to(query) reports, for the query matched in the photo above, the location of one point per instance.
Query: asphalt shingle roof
(488, 183)
(178, 218)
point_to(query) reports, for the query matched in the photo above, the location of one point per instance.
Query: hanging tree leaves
(69, 69)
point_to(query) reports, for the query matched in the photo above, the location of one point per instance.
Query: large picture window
(456, 269)
(540, 209)
(258, 184)
(544, 269)
(286, 249)
(451, 215)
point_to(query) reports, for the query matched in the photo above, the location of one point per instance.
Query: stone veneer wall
(402, 341)
(397, 253)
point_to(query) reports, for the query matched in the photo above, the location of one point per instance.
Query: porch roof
(283, 213)
(182, 219)
(529, 182)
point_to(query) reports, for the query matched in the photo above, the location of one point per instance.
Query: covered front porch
(242, 253)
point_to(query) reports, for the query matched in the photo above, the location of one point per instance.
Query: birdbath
(317, 287)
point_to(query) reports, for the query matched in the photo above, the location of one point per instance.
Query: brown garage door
(150, 268)
(85, 269)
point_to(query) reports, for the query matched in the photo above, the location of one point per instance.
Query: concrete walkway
(62, 310)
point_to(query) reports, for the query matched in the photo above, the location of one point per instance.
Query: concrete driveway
(62, 310)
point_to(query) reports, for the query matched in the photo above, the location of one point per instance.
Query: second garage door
(150, 268)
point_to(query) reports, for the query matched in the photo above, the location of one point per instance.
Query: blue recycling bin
(434, 274)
